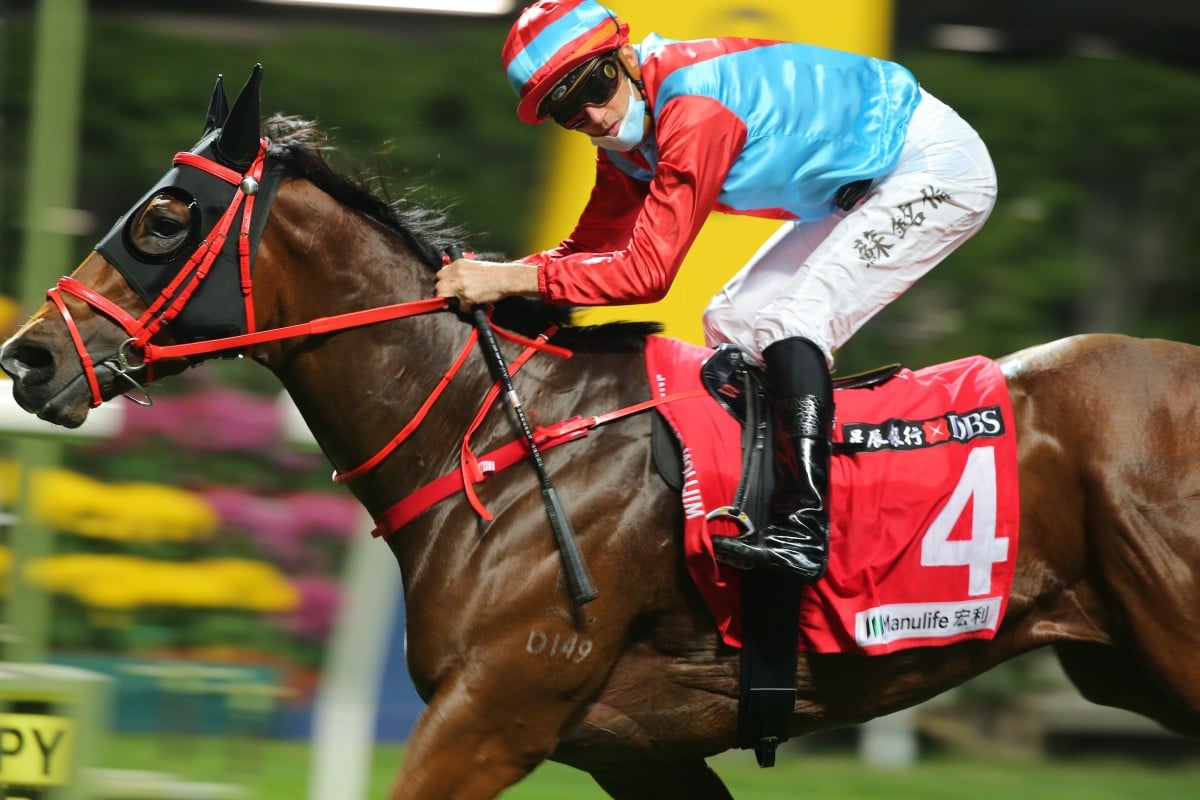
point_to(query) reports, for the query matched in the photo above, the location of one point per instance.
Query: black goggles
(592, 84)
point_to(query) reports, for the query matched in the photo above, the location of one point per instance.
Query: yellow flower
(132, 512)
(5, 569)
(116, 582)
(10, 479)
(258, 586)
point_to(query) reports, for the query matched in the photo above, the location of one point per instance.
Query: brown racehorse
(1109, 479)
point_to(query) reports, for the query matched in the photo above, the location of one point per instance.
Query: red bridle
(179, 291)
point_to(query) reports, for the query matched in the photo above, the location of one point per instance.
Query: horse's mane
(300, 146)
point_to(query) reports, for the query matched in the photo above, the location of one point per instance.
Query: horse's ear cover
(218, 108)
(238, 143)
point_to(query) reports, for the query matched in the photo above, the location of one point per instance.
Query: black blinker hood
(216, 308)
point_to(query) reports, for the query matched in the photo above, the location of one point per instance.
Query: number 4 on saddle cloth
(923, 503)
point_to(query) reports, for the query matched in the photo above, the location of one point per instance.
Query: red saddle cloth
(924, 516)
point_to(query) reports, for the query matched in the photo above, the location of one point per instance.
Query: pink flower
(290, 529)
(213, 419)
(313, 619)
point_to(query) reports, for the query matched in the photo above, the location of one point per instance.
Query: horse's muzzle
(39, 387)
(26, 363)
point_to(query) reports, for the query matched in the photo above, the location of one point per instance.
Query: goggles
(592, 84)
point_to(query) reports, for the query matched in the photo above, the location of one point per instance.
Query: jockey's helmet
(549, 40)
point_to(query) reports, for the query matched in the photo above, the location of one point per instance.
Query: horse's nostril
(31, 364)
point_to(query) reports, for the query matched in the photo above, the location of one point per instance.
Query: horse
(635, 688)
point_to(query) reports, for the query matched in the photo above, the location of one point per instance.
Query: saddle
(770, 602)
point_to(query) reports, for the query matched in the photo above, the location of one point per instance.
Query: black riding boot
(796, 542)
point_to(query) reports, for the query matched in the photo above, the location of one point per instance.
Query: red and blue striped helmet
(551, 38)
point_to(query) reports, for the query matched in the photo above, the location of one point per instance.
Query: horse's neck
(358, 388)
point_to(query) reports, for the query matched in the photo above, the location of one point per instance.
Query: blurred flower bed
(125, 583)
(198, 532)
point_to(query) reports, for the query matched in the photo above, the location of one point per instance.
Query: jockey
(875, 180)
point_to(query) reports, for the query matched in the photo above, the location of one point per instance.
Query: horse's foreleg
(692, 779)
(489, 725)
(478, 736)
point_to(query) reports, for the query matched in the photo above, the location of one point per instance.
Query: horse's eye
(163, 226)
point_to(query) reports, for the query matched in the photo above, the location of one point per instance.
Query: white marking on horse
(572, 648)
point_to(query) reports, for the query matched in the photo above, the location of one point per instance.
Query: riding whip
(579, 583)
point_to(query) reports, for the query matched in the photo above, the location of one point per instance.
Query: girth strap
(412, 506)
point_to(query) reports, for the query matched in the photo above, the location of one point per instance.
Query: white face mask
(632, 130)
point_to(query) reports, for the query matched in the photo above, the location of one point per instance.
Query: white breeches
(824, 279)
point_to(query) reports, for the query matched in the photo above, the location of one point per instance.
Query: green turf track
(279, 771)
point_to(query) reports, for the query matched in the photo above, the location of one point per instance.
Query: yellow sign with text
(35, 749)
(727, 242)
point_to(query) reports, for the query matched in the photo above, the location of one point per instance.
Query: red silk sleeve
(624, 251)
